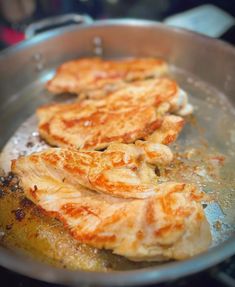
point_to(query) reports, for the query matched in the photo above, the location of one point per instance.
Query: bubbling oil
(206, 149)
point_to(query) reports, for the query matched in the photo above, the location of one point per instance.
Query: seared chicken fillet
(121, 170)
(168, 224)
(132, 113)
(95, 77)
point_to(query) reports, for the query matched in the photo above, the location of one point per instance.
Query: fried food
(45, 239)
(131, 113)
(94, 77)
(121, 170)
(168, 224)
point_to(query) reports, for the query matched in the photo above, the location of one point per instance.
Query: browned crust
(90, 74)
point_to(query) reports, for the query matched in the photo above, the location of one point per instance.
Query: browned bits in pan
(157, 171)
(2, 193)
(29, 144)
(25, 202)
(9, 226)
(9, 180)
(19, 214)
(4, 181)
(14, 187)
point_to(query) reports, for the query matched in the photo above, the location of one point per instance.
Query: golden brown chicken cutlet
(134, 112)
(94, 77)
(169, 223)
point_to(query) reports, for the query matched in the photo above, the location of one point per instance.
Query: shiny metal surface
(25, 68)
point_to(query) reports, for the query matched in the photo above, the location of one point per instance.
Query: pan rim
(113, 22)
(158, 274)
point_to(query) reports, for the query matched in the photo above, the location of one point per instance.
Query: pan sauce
(201, 149)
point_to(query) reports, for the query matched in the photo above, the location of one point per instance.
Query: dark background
(15, 15)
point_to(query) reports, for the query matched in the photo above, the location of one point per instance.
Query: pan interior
(206, 144)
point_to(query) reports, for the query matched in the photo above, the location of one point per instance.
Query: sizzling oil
(210, 138)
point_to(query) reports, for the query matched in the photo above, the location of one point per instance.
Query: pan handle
(51, 22)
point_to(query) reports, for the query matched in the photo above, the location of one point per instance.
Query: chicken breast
(121, 170)
(131, 113)
(168, 224)
(163, 93)
(94, 77)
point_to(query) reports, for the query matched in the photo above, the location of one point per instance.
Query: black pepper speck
(25, 202)
(14, 187)
(29, 144)
(4, 181)
(157, 171)
(2, 193)
(204, 205)
(10, 176)
(19, 214)
(9, 226)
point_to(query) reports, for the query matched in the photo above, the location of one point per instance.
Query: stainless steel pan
(204, 67)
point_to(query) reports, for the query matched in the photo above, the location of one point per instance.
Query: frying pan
(203, 67)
